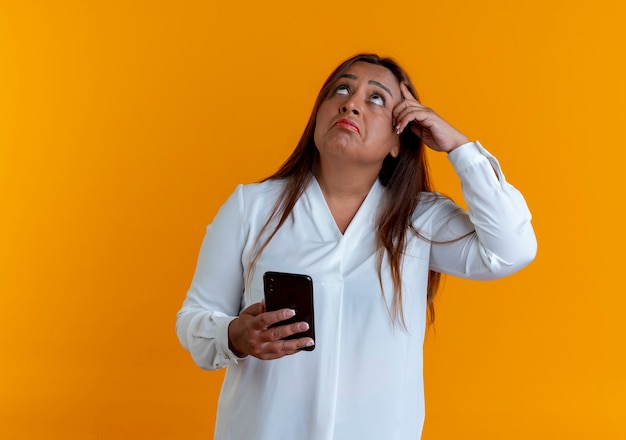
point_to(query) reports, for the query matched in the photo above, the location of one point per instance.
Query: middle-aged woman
(353, 208)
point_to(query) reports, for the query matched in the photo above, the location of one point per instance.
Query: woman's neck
(344, 193)
(346, 182)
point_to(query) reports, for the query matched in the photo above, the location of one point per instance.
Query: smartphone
(291, 291)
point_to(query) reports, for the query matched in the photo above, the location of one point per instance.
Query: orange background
(125, 124)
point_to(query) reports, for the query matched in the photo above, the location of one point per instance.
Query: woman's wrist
(231, 346)
(460, 142)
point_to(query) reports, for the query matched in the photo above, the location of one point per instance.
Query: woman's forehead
(373, 72)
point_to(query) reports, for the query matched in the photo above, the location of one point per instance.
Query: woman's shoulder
(251, 201)
(265, 189)
(257, 197)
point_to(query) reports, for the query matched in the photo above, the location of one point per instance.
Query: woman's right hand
(249, 334)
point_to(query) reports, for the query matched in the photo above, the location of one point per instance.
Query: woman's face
(355, 122)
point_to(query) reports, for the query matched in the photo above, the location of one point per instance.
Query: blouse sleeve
(215, 296)
(497, 236)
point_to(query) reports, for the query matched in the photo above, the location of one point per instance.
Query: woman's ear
(395, 150)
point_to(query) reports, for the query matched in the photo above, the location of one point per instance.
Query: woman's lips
(348, 125)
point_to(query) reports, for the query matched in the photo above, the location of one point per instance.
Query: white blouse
(364, 378)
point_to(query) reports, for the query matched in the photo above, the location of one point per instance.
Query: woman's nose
(345, 109)
(350, 106)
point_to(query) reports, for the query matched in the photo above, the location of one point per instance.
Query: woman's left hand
(424, 122)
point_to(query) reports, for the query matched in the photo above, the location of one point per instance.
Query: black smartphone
(291, 291)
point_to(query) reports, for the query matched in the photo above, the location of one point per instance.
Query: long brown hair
(404, 177)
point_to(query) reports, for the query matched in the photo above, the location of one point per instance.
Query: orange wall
(125, 124)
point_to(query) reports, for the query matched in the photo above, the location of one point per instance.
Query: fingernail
(289, 313)
(310, 343)
(304, 326)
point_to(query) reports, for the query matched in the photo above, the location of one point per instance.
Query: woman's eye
(342, 90)
(378, 99)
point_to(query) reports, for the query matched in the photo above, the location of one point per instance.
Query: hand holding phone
(291, 291)
(249, 334)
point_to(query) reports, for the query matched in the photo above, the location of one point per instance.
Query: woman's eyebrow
(350, 76)
(371, 81)
(376, 83)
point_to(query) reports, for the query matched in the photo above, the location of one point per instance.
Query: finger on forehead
(404, 89)
(401, 108)
(406, 93)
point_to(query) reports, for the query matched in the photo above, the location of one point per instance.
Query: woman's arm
(495, 238)
(216, 293)
(498, 238)
(211, 325)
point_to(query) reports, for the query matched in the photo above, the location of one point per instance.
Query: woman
(352, 207)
